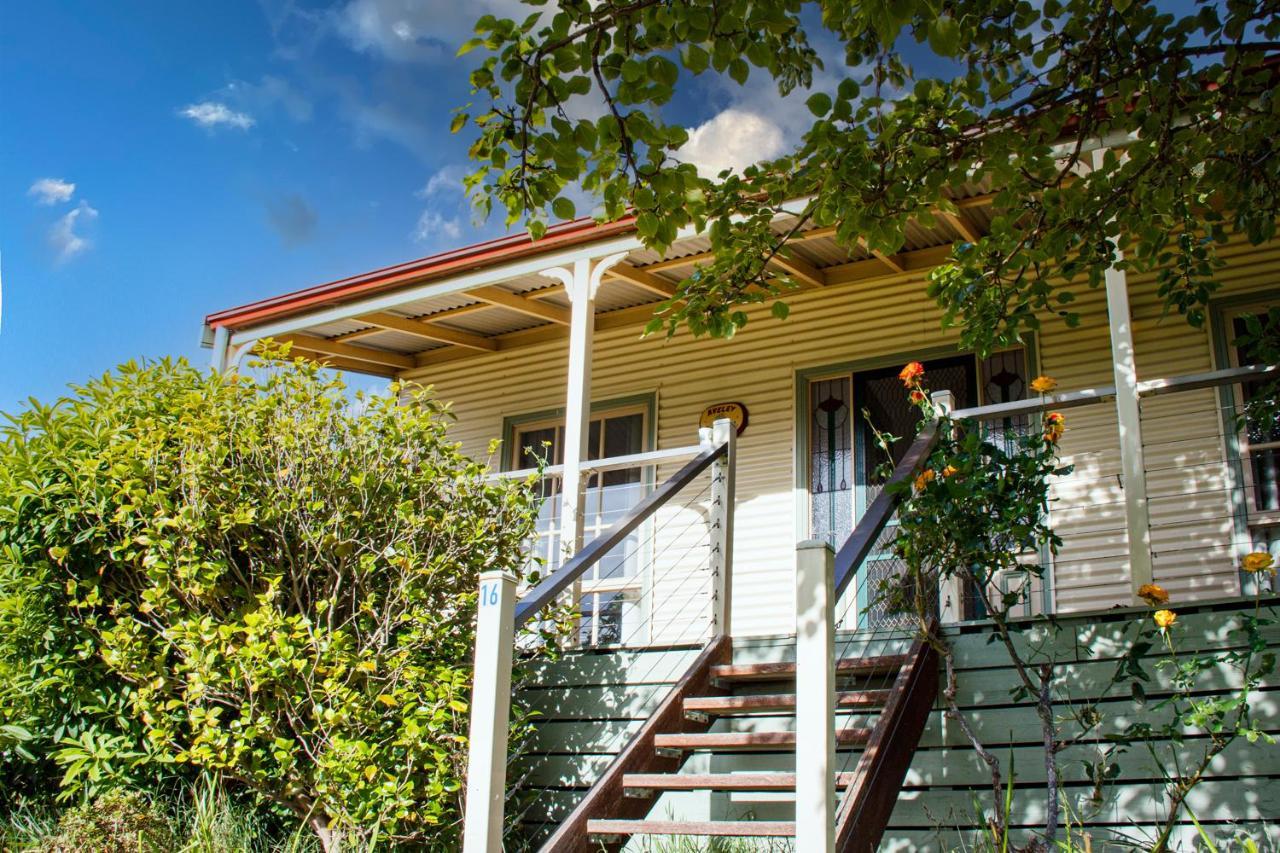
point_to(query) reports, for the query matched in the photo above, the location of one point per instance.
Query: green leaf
(819, 103)
(780, 310)
(563, 208)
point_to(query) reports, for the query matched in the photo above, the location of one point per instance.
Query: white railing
(691, 512)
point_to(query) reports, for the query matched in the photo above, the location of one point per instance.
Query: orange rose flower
(1259, 561)
(1043, 384)
(1164, 618)
(917, 396)
(1153, 594)
(1054, 426)
(925, 478)
(949, 471)
(910, 375)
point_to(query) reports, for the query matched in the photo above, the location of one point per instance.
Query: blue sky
(161, 160)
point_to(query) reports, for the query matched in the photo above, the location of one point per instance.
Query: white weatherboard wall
(893, 317)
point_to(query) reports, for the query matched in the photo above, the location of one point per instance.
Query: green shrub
(116, 821)
(272, 583)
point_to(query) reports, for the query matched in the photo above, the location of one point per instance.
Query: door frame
(800, 422)
(1221, 311)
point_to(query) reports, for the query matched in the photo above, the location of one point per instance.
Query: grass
(201, 819)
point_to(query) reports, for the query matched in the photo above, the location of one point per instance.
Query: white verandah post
(1129, 422)
(221, 346)
(580, 283)
(490, 714)
(815, 697)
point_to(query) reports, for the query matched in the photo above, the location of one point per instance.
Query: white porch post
(580, 284)
(815, 697)
(490, 714)
(1129, 420)
(221, 344)
(951, 591)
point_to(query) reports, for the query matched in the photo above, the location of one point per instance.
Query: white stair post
(951, 590)
(490, 713)
(815, 697)
(722, 505)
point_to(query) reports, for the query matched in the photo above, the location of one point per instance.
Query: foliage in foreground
(975, 519)
(913, 104)
(250, 576)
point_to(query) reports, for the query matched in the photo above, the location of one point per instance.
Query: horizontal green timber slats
(589, 703)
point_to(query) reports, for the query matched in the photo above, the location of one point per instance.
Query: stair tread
(776, 670)
(721, 828)
(720, 781)
(747, 740)
(780, 701)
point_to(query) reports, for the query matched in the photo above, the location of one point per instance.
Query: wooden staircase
(715, 709)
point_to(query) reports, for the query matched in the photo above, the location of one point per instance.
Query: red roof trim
(471, 257)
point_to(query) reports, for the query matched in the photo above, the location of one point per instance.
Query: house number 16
(489, 595)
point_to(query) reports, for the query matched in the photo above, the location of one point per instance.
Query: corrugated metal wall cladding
(891, 317)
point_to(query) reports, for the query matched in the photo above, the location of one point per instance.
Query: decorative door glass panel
(1259, 445)
(830, 460)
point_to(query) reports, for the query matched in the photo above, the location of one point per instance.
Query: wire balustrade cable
(678, 566)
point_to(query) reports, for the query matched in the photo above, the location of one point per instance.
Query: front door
(847, 467)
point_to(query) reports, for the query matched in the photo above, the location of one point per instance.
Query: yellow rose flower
(1259, 561)
(949, 471)
(1164, 618)
(1153, 594)
(1043, 384)
(925, 478)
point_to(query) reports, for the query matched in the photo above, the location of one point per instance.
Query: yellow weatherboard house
(718, 512)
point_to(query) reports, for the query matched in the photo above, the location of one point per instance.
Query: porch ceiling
(400, 334)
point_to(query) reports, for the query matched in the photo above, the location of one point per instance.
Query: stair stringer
(868, 802)
(606, 800)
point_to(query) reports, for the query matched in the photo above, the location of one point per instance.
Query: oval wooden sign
(735, 412)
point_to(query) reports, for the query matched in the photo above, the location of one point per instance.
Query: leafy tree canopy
(1013, 96)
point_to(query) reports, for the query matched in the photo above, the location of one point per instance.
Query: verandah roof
(492, 296)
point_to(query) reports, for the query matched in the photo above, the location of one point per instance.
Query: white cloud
(49, 191)
(418, 30)
(267, 96)
(432, 225)
(210, 114)
(733, 139)
(757, 122)
(446, 180)
(63, 236)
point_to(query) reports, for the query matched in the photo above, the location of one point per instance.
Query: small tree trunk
(330, 840)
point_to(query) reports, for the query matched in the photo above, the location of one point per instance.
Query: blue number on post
(489, 595)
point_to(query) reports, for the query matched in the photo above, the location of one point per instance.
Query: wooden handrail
(863, 538)
(559, 580)
(869, 798)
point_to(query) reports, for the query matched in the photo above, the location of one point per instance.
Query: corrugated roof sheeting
(489, 321)
(337, 327)
(400, 342)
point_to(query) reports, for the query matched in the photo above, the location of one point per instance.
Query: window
(610, 589)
